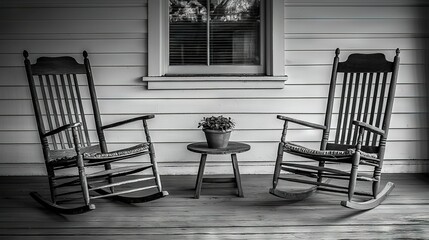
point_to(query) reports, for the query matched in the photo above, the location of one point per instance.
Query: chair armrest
(301, 122)
(62, 128)
(369, 127)
(144, 117)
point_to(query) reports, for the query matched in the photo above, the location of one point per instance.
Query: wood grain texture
(409, 90)
(220, 215)
(232, 148)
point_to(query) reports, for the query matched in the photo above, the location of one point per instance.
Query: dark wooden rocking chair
(363, 111)
(58, 86)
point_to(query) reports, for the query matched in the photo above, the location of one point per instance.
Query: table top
(232, 148)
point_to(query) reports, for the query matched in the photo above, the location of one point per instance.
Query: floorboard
(219, 214)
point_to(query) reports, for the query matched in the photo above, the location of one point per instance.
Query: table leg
(237, 174)
(200, 176)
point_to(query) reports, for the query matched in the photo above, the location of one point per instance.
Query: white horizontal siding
(325, 11)
(208, 106)
(72, 13)
(44, 46)
(405, 90)
(115, 35)
(185, 136)
(190, 121)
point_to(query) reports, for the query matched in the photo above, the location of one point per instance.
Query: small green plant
(220, 123)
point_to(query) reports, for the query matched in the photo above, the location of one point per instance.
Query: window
(215, 44)
(215, 33)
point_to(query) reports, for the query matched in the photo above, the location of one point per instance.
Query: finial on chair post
(25, 54)
(85, 54)
(397, 52)
(337, 52)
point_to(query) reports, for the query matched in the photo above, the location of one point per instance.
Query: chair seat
(330, 155)
(122, 153)
(92, 155)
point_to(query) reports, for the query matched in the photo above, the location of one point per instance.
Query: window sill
(215, 82)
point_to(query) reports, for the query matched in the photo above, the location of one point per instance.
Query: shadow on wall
(424, 29)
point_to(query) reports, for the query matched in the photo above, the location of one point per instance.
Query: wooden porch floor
(219, 214)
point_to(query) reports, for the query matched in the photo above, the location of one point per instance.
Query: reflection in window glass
(188, 32)
(214, 32)
(234, 32)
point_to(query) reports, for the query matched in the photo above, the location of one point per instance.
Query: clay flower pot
(217, 138)
(217, 130)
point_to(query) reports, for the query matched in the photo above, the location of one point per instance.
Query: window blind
(214, 32)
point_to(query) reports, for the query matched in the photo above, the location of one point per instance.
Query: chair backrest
(362, 88)
(59, 86)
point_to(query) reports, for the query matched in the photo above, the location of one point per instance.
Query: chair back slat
(361, 103)
(55, 114)
(341, 108)
(354, 102)
(365, 82)
(381, 104)
(47, 111)
(346, 110)
(82, 111)
(66, 95)
(57, 86)
(368, 96)
(75, 110)
(62, 100)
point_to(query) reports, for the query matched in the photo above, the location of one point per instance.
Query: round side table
(233, 148)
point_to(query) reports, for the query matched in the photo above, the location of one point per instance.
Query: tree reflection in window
(227, 34)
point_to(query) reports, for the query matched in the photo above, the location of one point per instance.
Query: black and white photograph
(214, 119)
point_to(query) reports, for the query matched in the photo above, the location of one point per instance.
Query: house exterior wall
(114, 32)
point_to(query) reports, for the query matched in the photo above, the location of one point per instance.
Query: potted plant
(217, 130)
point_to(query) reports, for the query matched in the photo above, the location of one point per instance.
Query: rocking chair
(363, 112)
(77, 169)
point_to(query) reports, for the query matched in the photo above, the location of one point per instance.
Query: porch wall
(114, 32)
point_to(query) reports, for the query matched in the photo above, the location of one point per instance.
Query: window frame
(274, 65)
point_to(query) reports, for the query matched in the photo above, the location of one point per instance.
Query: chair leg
(108, 166)
(376, 184)
(353, 175)
(83, 180)
(278, 164)
(155, 167)
(51, 180)
(320, 172)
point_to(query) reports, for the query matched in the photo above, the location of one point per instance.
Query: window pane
(188, 32)
(235, 32)
(233, 38)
